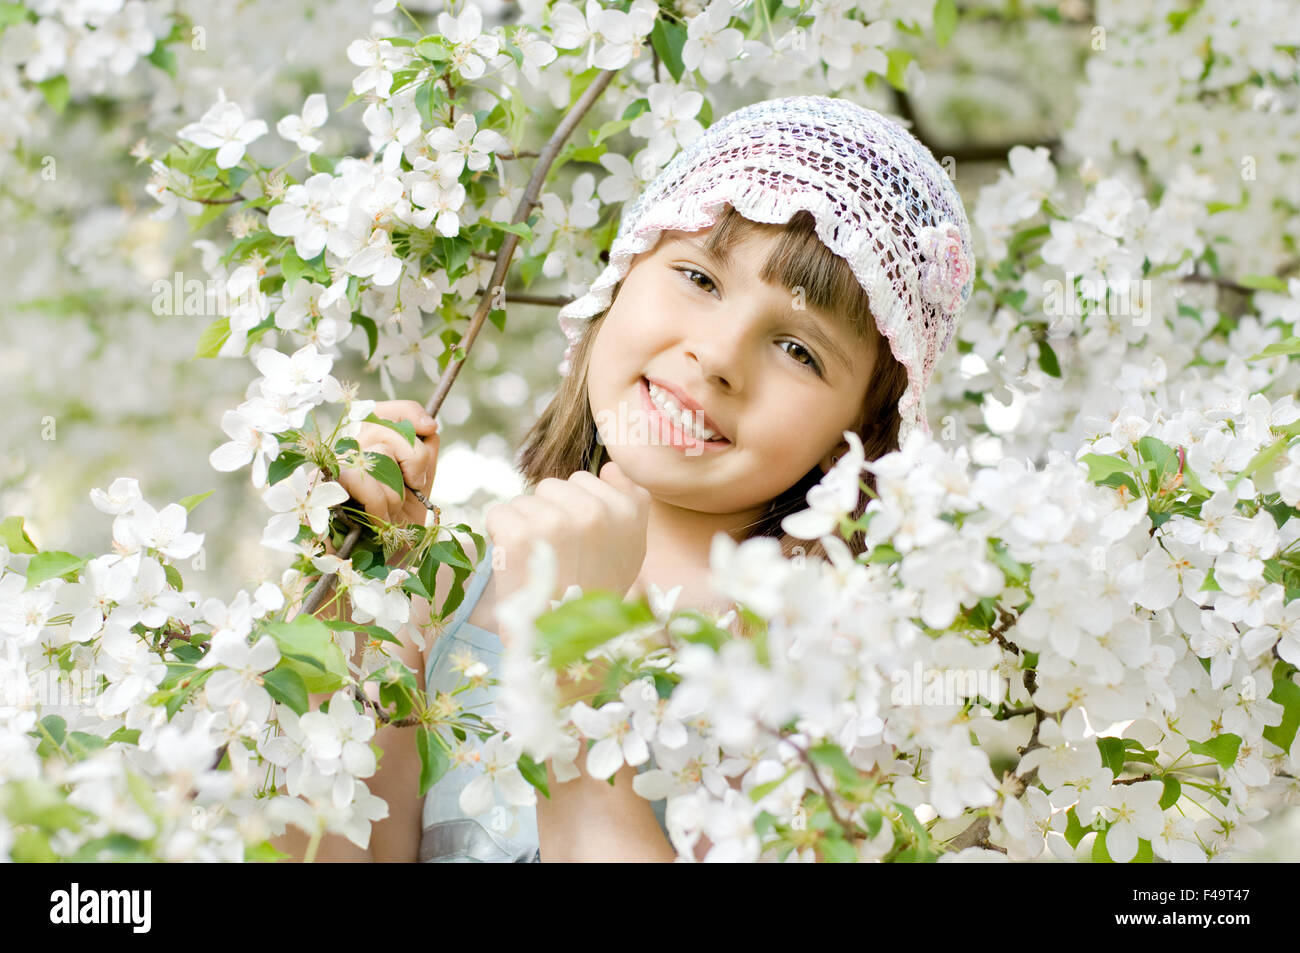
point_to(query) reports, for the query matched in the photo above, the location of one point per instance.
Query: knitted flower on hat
(879, 198)
(945, 268)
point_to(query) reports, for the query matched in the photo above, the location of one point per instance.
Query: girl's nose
(721, 351)
(719, 363)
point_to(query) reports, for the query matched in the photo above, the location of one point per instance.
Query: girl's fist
(597, 526)
(417, 463)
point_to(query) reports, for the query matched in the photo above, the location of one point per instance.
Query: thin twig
(850, 832)
(554, 301)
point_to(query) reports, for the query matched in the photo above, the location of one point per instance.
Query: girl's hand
(597, 526)
(418, 463)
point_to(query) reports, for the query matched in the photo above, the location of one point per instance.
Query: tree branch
(504, 254)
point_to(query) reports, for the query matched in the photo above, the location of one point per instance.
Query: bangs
(798, 259)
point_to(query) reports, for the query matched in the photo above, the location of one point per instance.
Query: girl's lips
(668, 432)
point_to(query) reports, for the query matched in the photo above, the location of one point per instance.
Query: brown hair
(564, 438)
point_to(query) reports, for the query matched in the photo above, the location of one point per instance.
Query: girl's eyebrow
(811, 325)
(722, 256)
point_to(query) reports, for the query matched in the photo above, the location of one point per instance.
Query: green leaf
(81, 743)
(1222, 748)
(453, 252)
(1287, 694)
(760, 791)
(292, 267)
(1102, 465)
(11, 13)
(1163, 457)
(1286, 346)
(1173, 791)
(568, 632)
(309, 649)
(375, 631)
(706, 631)
(128, 736)
(1112, 754)
(14, 536)
(404, 427)
(283, 465)
(52, 732)
(611, 128)
(521, 229)
(433, 48)
(833, 757)
(534, 773)
(37, 802)
(56, 93)
(32, 847)
(924, 850)
(1047, 360)
(1263, 283)
(1134, 750)
(213, 338)
(945, 21)
(397, 688)
(190, 502)
(836, 850)
(385, 469)
(1262, 459)
(450, 552)
(263, 853)
(287, 687)
(895, 72)
(319, 163)
(372, 332)
(668, 39)
(1099, 854)
(884, 553)
(414, 584)
(164, 58)
(433, 760)
(1074, 831)
(173, 576)
(51, 565)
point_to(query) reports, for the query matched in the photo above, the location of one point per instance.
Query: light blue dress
(504, 833)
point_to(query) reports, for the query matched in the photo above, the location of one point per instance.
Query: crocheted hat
(880, 200)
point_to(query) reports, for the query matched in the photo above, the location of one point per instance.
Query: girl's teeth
(675, 413)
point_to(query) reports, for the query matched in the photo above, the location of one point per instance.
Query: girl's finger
(391, 505)
(543, 514)
(378, 499)
(612, 496)
(574, 499)
(613, 474)
(364, 489)
(414, 461)
(407, 410)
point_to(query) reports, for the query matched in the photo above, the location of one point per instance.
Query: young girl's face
(781, 384)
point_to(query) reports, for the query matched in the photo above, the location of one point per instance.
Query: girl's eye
(690, 274)
(811, 363)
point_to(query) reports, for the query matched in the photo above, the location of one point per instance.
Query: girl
(787, 281)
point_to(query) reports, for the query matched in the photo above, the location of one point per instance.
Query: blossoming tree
(1104, 520)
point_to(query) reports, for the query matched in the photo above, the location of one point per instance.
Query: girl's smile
(686, 435)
